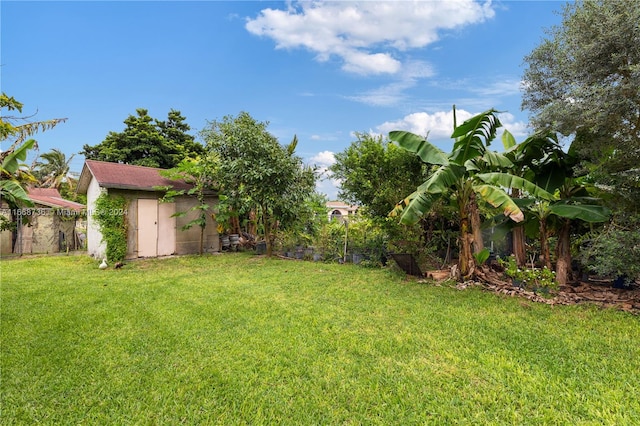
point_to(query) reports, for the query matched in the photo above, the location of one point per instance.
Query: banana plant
(11, 186)
(464, 175)
(541, 159)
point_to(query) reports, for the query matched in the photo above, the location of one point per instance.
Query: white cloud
(323, 159)
(326, 184)
(439, 125)
(365, 34)
(393, 93)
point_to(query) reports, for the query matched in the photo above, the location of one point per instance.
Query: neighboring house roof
(50, 197)
(125, 176)
(339, 205)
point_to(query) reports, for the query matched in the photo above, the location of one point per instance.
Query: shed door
(147, 228)
(156, 228)
(166, 229)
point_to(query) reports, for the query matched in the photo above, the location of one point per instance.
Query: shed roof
(50, 197)
(125, 176)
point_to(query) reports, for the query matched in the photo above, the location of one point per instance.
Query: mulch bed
(600, 293)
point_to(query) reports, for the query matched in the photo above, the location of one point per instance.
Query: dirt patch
(601, 293)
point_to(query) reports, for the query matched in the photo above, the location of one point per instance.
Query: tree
(198, 172)
(54, 170)
(258, 173)
(542, 160)
(147, 142)
(12, 174)
(465, 175)
(584, 80)
(372, 171)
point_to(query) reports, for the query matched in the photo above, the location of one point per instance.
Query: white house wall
(95, 246)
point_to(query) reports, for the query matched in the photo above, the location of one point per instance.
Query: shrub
(614, 251)
(534, 279)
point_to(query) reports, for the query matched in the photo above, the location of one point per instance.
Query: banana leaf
(507, 180)
(474, 136)
(427, 152)
(501, 200)
(586, 212)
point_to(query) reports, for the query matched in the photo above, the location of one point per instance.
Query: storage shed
(152, 229)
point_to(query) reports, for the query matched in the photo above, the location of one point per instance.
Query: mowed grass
(241, 339)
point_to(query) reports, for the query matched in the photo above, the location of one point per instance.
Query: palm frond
(23, 131)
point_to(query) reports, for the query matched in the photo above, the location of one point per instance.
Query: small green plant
(482, 256)
(536, 279)
(111, 216)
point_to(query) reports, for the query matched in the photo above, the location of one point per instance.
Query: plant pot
(225, 243)
(357, 258)
(261, 247)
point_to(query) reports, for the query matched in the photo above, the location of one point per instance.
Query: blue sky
(318, 70)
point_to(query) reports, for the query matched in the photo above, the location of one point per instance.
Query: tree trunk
(201, 240)
(544, 244)
(563, 250)
(518, 239)
(519, 247)
(466, 261)
(267, 231)
(474, 214)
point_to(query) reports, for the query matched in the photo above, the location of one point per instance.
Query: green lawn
(239, 339)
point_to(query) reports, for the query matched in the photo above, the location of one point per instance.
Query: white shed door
(147, 228)
(166, 229)
(156, 228)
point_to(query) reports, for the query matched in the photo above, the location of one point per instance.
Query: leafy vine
(111, 215)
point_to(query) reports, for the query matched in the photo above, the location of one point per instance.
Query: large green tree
(584, 80)
(257, 173)
(372, 172)
(148, 142)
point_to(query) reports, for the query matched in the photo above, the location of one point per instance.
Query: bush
(534, 279)
(615, 250)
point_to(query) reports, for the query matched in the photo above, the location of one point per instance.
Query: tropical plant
(541, 159)
(259, 174)
(465, 176)
(52, 170)
(199, 173)
(536, 279)
(12, 173)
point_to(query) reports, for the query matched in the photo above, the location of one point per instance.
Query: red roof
(50, 197)
(125, 176)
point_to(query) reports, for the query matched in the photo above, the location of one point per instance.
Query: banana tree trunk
(544, 244)
(518, 238)
(519, 247)
(563, 250)
(474, 214)
(465, 262)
